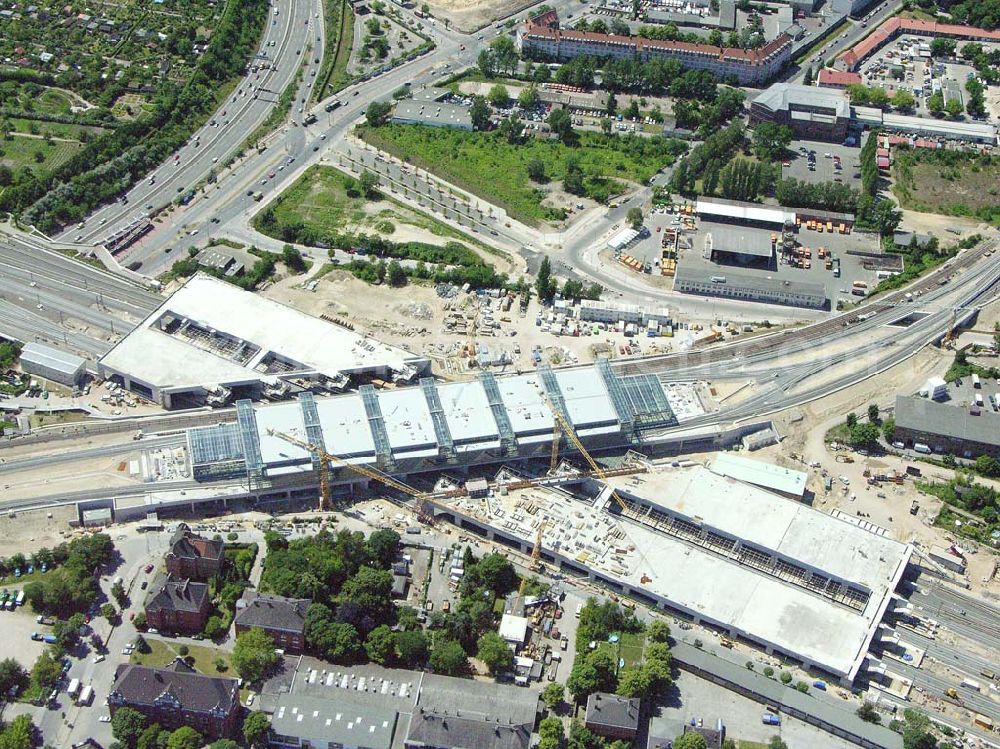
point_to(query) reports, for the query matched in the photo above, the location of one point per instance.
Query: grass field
(628, 649)
(20, 151)
(33, 97)
(319, 199)
(337, 51)
(487, 165)
(162, 653)
(55, 129)
(949, 182)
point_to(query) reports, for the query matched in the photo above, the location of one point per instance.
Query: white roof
(52, 358)
(767, 475)
(513, 628)
(744, 212)
(622, 238)
(172, 361)
(753, 603)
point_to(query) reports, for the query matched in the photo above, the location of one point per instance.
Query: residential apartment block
(541, 38)
(283, 619)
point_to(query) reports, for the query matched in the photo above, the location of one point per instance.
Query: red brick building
(612, 716)
(177, 696)
(178, 606)
(284, 619)
(192, 556)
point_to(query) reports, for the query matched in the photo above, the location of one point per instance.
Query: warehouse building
(596, 310)
(812, 113)
(211, 342)
(742, 213)
(432, 114)
(948, 428)
(791, 580)
(732, 245)
(377, 708)
(773, 478)
(52, 364)
(750, 288)
(541, 38)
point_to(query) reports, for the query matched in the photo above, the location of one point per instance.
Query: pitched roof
(177, 595)
(176, 684)
(895, 25)
(271, 612)
(442, 729)
(948, 420)
(831, 77)
(183, 544)
(611, 710)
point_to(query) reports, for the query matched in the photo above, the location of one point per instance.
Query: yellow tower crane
(324, 459)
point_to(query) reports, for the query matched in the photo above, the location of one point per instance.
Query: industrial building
(731, 245)
(965, 430)
(432, 114)
(742, 213)
(786, 578)
(893, 27)
(812, 113)
(595, 310)
(434, 427)
(212, 342)
(378, 708)
(541, 38)
(784, 481)
(750, 288)
(52, 364)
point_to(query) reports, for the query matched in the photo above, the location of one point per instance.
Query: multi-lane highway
(291, 32)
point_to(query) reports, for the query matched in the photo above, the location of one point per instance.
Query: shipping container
(981, 721)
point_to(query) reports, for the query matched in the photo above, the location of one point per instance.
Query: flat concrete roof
(753, 283)
(743, 211)
(345, 720)
(767, 475)
(762, 606)
(167, 361)
(740, 241)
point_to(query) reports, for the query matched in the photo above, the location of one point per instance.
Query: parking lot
(797, 165)
(17, 643)
(693, 697)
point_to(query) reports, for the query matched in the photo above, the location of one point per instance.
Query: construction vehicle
(953, 693)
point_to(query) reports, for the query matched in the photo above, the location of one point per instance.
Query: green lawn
(951, 182)
(319, 199)
(55, 129)
(752, 744)
(162, 653)
(486, 165)
(18, 152)
(628, 649)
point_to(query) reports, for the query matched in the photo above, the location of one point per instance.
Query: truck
(770, 719)
(970, 684)
(39, 637)
(309, 120)
(86, 695)
(920, 447)
(20, 598)
(332, 105)
(975, 381)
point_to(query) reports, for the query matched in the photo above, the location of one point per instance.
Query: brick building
(193, 556)
(541, 38)
(284, 619)
(612, 716)
(178, 696)
(178, 606)
(812, 113)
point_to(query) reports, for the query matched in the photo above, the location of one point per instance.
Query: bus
(86, 694)
(74, 687)
(20, 598)
(975, 381)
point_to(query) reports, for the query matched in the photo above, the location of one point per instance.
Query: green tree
(528, 98)
(184, 737)
(377, 113)
(551, 734)
(873, 414)
(254, 656)
(368, 184)
(690, 740)
(536, 171)
(868, 713)
(776, 743)
(852, 420)
(381, 645)
(479, 113)
(987, 465)
(487, 63)
(807, 79)
(46, 671)
(394, 274)
(448, 658)
(573, 177)
(224, 744)
(634, 217)
(495, 653)
(636, 683)
(785, 678)
(562, 124)
(889, 430)
(953, 108)
(511, 128)
(255, 728)
(499, 96)
(553, 695)
(13, 678)
(942, 47)
(658, 631)
(20, 733)
(935, 103)
(412, 648)
(593, 673)
(152, 737)
(504, 52)
(903, 100)
(771, 140)
(545, 285)
(127, 724)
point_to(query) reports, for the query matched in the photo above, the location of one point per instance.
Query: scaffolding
(446, 446)
(554, 392)
(383, 448)
(508, 440)
(616, 391)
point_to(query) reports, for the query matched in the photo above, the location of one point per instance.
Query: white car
(105, 719)
(98, 658)
(249, 700)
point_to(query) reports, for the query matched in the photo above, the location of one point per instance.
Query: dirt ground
(29, 530)
(938, 225)
(469, 15)
(413, 318)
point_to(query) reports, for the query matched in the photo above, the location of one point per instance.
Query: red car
(147, 569)
(131, 615)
